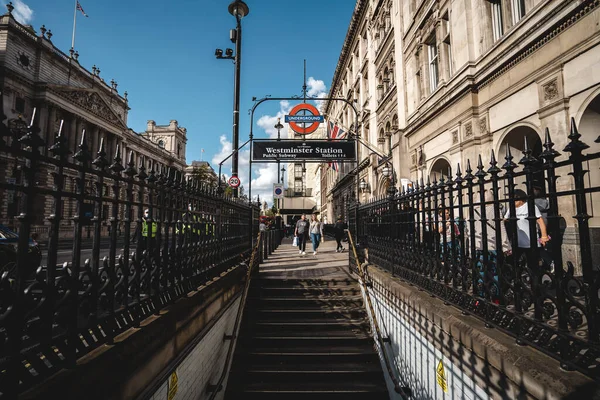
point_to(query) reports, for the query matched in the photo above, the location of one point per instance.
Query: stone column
(50, 129)
(72, 133)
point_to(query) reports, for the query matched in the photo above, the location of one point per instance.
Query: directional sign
(234, 181)
(295, 120)
(303, 150)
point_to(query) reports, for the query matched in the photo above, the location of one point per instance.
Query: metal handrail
(214, 389)
(361, 274)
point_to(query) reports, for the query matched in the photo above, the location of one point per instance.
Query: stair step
(329, 328)
(305, 302)
(307, 283)
(290, 292)
(314, 388)
(301, 360)
(295, 395)
(309, 378)
(291, 366)
(295, 345)
(306, 315)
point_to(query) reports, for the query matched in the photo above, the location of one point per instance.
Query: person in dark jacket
(301, 231)
(339, 229)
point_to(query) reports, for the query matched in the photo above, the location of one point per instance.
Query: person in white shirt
(523, 233)
(316, 232)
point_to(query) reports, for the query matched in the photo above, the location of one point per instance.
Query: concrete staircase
(305, 337)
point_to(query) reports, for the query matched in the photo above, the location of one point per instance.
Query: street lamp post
(239, 10)
(278, 126)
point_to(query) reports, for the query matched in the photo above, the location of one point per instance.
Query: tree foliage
(205, 175)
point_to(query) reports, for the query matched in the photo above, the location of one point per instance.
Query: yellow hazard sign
(173, 380)
(440, 374)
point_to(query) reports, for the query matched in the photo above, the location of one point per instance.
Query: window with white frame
(445, 25)
(298, 187)
(434, 73)
(497, 19)
(297, 171)
(518, 10)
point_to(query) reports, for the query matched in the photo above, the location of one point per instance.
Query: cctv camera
(219, 53)
(228, 52)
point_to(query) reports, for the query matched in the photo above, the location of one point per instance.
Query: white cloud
(316, 88)
(22, 12)
(226, 149)
(268, 122)
(262, 185)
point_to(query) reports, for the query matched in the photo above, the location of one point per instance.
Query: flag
(334, 132)
(81, 9)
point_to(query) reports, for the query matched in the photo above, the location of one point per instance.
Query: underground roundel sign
(234, 181)
(304, 119)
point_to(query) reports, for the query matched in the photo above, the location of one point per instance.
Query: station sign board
(303, 150)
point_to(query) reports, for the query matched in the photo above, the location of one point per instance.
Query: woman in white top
(316, 232)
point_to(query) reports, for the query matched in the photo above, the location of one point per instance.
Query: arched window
(388, 136)
(386, 79)
(440, 168)
(381, 140)
(589, 132)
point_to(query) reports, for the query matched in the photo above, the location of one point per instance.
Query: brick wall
(203, 365)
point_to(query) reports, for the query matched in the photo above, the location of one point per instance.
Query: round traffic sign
(306, 130)
(234, 181)
(278, 191)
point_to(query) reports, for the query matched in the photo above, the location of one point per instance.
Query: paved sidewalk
(286, 263)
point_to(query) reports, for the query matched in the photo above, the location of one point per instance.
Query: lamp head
(363, 184)
(218, 53)
(228, 52)
(238, 9)
(386, 171)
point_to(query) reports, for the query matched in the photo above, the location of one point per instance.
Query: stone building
(366, 76)
(437, 83)
(37, 75)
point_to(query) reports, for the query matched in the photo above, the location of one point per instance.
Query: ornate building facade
(440, 82)
(35, 75)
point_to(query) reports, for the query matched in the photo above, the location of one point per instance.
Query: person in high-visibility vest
(146, 232)
(188, 227)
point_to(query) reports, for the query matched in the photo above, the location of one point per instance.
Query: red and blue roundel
(278, 191)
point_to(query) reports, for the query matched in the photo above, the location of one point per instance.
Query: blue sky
(162, 54)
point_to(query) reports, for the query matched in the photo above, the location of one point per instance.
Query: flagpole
(74, 23)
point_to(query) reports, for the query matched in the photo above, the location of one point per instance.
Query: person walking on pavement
(339, 229)
(301, 231)
(316, 233)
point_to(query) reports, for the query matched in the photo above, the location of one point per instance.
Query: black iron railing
(509, 245)
(55, 311)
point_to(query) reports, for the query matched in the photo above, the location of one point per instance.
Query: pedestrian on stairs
(316, 233)
(301, 231)
(339, 229)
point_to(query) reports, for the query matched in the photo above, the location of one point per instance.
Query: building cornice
(357, 17)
